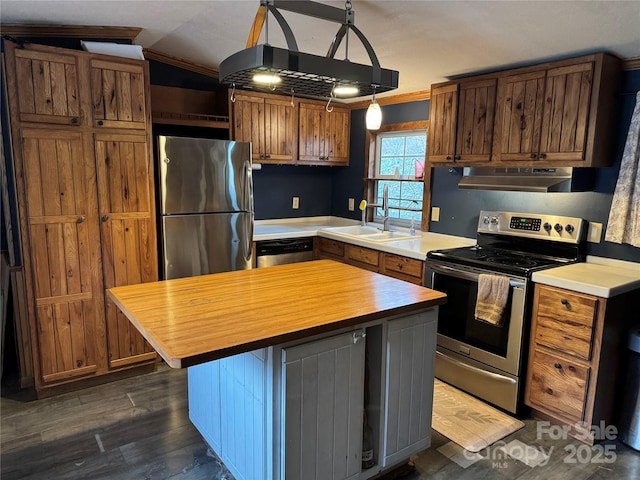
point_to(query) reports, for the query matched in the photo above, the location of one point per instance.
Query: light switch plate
(352, 204)
(594, 235)
(435, 214)
(296, 203)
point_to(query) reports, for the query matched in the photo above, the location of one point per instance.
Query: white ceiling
(426, 41)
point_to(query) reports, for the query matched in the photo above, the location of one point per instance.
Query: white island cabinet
(295, 411)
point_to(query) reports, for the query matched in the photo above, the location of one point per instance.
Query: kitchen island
(277, 385)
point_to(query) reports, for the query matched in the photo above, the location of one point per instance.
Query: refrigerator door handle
(248, 186)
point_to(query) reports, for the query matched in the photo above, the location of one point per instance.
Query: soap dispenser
(412, 232)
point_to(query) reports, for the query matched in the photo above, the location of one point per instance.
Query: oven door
(500, 347)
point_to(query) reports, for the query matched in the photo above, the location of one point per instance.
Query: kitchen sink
(372, 234)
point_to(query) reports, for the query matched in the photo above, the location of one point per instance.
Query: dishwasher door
(280, 252)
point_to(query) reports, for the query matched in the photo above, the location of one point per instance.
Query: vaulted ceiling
(426, 41)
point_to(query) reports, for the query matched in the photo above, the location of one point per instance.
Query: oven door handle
(496, 376)
(456, 272)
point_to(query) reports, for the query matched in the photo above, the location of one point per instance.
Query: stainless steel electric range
(483, 359)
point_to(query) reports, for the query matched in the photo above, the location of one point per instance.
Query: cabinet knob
(456, 157)
(100, 122)
(105, 218)
(400, 266)
(449, 157)
(267, 156)
(564, 302)
(549, 391)
(543, 155)
(74, 120)
(557, 365)
(80, 219)
(533, 155)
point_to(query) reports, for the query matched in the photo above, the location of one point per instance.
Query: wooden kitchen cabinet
(323, 137)
(397, 266)
(269, 122)
(559, 113)
(49, 87)
(576, 343)
(86, 206)
(461, 121)
(119, 95)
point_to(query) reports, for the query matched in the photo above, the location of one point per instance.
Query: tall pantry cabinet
(81, 136)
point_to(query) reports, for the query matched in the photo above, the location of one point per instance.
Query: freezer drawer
(208, 243)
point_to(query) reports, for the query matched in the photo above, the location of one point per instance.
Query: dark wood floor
(139, 428)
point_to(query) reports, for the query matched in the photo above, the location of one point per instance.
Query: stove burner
(512, 260)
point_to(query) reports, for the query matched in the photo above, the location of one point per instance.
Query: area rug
(467, 421)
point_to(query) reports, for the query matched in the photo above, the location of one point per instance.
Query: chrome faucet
(385, 208)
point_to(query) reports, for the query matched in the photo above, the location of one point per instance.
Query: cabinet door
(64, 250)
(323, 408)
(46, 85)
(311, 135)
(519, 117)
(476, 109)
(566, 116)
(443, 113)
(280, 124)
(248, 124)
(337, 131)
(128, 234)
(119, 95)
(411, 346)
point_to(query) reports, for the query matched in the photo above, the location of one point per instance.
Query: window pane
(392, 146)
(400, 150)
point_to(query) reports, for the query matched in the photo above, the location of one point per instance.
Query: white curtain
(624, 217)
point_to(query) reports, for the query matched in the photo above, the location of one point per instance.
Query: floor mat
(467, 421)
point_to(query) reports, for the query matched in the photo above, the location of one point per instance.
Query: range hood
(527, 179)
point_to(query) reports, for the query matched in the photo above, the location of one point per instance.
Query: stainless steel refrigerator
(206, 203)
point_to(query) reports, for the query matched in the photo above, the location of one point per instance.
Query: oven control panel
(547, 227)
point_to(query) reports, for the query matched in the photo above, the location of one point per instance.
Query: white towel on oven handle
(493, 293)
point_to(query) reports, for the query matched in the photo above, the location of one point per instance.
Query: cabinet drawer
(558, 385)
(364, 255)
(564, 321)
(407, 266)
(332, 247)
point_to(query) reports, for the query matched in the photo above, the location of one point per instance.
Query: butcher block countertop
(198, 319)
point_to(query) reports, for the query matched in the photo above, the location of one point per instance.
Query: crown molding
(70, 31)
(150, 54)
(631, 63)
(393, 99)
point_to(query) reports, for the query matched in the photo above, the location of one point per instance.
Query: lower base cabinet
(296, 411)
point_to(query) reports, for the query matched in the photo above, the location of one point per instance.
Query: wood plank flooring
(138, 428)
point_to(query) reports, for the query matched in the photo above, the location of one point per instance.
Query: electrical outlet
(352, 204)
(435, 214)
(594, 235)
(296, 202)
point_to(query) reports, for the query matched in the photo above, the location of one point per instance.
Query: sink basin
(370, 233)
(386, 236)
(356, 230)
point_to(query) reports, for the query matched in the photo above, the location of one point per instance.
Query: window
(397, 154)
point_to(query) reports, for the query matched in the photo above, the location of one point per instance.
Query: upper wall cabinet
(461, 127)
(323, 135)
(558, 113)
(283, 130)
(269, 122)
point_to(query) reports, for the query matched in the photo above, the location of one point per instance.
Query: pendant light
(374, 113)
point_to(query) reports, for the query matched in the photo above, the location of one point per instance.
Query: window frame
(370, 180)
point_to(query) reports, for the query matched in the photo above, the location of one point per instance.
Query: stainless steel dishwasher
(279, 252)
